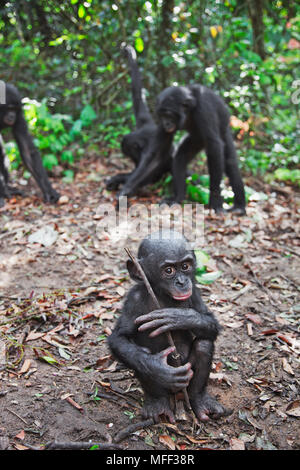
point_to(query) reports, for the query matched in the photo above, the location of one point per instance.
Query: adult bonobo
(137, 145)
(138, 339)
(204, 115)
(11, 115)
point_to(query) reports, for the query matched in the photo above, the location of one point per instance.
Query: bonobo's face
(172, 108)
(169, 120)
(8, 115)
(176, 277)
(169, 266)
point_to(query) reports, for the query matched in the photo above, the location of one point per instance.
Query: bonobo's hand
(52, 196)
(165, 319)
(171, 378)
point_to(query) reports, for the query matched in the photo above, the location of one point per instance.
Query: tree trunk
(164, 39)
(255, 9)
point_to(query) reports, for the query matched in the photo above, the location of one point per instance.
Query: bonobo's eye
(169, 271)
(186, 266)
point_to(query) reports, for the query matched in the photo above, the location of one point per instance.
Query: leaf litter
(60, 297)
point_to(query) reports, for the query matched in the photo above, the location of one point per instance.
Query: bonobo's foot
(238, 210)
(218, 210)
(112, 184)
(205, 406)
(154, 407)
(12, 191)
(52, 196)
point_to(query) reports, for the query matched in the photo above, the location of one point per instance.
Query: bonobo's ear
(133, 272)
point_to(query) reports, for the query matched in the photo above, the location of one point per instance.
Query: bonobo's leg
(233, 173)
(32, 159)
(215, 163)
(3, 175)
(203, 404)
(186, 151)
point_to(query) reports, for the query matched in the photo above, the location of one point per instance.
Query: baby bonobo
(138, 339)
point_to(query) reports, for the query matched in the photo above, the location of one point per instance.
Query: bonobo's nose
(181, 280)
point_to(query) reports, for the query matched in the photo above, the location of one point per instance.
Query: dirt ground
(58, 304)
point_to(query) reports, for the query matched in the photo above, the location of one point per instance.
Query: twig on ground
(121, 435)
(71, 445)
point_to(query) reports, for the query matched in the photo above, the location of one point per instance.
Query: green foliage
(203, 276)
(55, 134)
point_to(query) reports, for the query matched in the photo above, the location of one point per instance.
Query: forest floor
(58, 304)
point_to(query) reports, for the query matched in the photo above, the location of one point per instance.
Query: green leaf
(208, 278)
(49, 359)
(201, 259)
(49, 161)
(87, 115)
(68, 176)
(139, 44)
(81, 11)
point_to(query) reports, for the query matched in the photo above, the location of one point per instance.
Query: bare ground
(59, 303)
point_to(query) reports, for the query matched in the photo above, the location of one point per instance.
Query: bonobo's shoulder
(136, 300)
(203, 91)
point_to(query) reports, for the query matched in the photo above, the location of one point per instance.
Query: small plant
(203, 276)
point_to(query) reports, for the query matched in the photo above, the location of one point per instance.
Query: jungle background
(59, 299)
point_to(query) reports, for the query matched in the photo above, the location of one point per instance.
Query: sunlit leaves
(81, 11)
(139, 44)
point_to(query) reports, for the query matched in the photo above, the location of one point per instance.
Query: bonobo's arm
(147, 365)
(32, 159)
(199, 320)
(155, 154)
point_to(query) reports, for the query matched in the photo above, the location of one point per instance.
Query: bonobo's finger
(154, 315)
(160, 330)
(184, 380)
(164, 354)
(151, 324)
(182, 370)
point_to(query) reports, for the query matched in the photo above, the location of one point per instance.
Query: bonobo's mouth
(183, 296)
(170, 129)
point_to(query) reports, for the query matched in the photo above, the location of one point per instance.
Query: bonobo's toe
(206, 406)
(154, 408)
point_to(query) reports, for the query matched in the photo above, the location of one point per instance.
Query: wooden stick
(176, 356)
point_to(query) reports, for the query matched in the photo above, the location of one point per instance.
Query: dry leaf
(167, 441)
(21, 435)
(293, 409)
(287, 367)
(25, 367)
(236, 444)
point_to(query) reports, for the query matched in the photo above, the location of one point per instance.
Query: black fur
(205, 117)
(11, 115)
